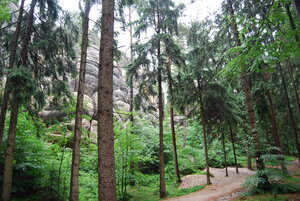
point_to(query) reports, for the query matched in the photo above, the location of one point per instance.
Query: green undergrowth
(268, 197)
(281, 187)
(151, 193)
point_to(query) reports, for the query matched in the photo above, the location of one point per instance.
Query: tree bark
(290, 111)
(106, 161)
(9, 154)
(249, 100)
(184, 132)
(233, 148)
(247, 145)
(74, 186)
(296, 5)
(204, 133)
(131, 76)
(12, 59)
(276, 134)
(170, 85)
(224, 151)
(162, 186)
(292, 23)
(290, 68)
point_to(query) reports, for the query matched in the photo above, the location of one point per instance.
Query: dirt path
(222, 188)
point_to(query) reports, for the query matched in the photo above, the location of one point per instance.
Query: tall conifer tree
(106, 161)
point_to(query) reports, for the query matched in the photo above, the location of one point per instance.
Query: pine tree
(246, 85)
(26, 81)
(8, 167)
(106, 161)
(162, 17)
(12, 59)
(74, 186)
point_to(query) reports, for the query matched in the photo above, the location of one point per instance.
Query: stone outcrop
(120, 93)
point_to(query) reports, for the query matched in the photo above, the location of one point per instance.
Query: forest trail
(222, 188)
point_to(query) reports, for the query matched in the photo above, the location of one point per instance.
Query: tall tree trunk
(247, 145)
(233, 148)
(170, 84)
(162, 189)
(184, 132)
(276, 134)
(290, 68)
(224, 151)
(290, 111)
(292, 23)
(249, 100)
(9, 154)
(74, 186)
(106, 160)
(131, 76)
(296, 5)
(12, 59)
(204, 133)
(162, 186)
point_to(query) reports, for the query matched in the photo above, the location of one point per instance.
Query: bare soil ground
(222, 188)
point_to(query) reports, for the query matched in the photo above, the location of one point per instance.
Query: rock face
(120, 92)
(120, 89)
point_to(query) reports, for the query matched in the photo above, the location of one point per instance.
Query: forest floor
(222, 188)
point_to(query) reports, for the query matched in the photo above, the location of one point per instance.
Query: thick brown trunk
(224, 151)
(9, 154)
(12, 59)
(204, 133)
(233, 148)
(252, 121)
(176, 165)
(276, 134)
(106, 160)
(296, 5)
(247, 145)
(74, 185)
(290, 111)
(249, 162)
(162, 188)
(249, 100)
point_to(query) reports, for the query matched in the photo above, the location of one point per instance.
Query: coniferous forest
(147, 102)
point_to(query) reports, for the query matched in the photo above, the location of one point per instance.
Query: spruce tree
(160, 16)
(74, 186)
(106, 161)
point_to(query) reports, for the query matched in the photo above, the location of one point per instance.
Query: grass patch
(173, 190)
(150, 193)
(290, 158)
(297, 173)
(144, 193)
